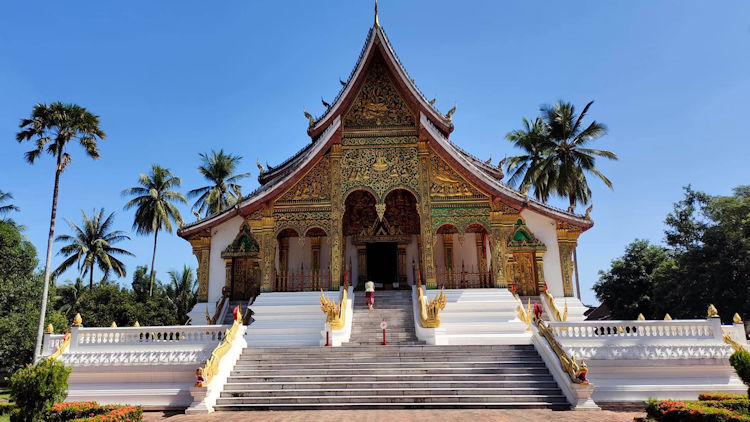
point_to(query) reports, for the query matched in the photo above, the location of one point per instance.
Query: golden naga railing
(335, 314)
(429, 313)
(555, 310)
(211, 320)
(62, 347)
(205, 374)
(576, 371)
(525, 314)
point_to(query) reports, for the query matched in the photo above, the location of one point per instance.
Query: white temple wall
(438, 252)
(545, 229)
(299, 255)
(465, 251)
(221, 236)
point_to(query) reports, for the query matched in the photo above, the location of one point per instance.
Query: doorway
(381, 263)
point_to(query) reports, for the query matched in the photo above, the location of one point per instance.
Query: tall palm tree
(51, 128)
(224, 191)
(522, 169)
(154, 206)
(4, 209)
(68, 296)
(182, 291)
(557, 158)
(570, 159)
(92, 245)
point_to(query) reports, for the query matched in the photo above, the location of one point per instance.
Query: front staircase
(405, 374)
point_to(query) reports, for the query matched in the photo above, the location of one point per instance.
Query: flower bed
(720, 396)
(92, 411)
(722, 410)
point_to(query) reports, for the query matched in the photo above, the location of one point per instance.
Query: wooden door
(525, 274)
(241, 279)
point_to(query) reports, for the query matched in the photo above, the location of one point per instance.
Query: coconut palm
(155, 208)
(51, 128)
(92, 245)
(181, 291)
(68, 296)
(557, 158)
(5, 197)
(224, 191)
(532, 139)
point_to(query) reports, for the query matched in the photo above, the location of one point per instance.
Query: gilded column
(502, 222)
(425, 219)
(228, 275)
(567, 240)
(202, 251)
(262, 225)
(337, 212)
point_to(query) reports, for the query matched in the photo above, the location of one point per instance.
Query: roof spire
(377, 23)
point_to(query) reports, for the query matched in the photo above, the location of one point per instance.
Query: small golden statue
(50, 329)
(712, 312)
(77, 320)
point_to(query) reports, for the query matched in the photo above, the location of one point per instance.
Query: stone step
(532, 382)
(516, 391)
(373, 352)
(347, 364)
(399, 377)
(507, 369)
(554, 405)
(389, 399)
(490, 348)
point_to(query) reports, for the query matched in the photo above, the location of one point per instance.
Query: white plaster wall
(545, 230)
(299, 255)
(221, 236)
(466, 252)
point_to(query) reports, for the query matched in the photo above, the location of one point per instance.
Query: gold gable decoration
(524, 240)
(243, 245)
(447, 183)
(314, 186)
(378, 103)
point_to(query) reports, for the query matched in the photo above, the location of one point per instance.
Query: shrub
(718, 396)
(6, 408)
(698, 411)
(37, 387)
(740, 360)
(92, 411)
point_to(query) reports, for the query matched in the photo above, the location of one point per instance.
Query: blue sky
(172, 79)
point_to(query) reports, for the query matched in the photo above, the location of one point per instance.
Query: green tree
(182, 292)
(141, 283)
(628, 287)
(223, 191)
(154, 204)
(20, 295)
(67, 297)
(36, 388)
(5, 209)
(92, 245)
(51, 128)
(562, 141)
(105, 304)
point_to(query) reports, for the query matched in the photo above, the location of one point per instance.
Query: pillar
(337, 214)
(425, 219)
(202, 251)
(502, 223)
(567, 240)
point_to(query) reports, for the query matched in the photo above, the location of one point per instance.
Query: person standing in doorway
(370, 294)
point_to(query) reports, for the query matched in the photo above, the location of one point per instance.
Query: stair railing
(556, 314)
(205, 374)
(211, 320)
(335, 313)
(570, 365)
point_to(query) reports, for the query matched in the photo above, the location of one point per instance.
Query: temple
(381, 193)
(475, 304)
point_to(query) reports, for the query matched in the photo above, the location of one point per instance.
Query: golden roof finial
(377, 23)
(737, 319)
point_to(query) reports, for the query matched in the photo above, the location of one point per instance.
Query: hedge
(90, 411)
(6, 408)
(717, 396)
(734, 410)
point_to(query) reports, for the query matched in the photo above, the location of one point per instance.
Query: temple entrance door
(525, 274)
(382, 262)
(243, 278)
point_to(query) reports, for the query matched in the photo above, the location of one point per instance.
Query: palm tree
(51, 128)
(68, 295)
(569, 160)
(533, 140)
(154, 206)
(557, 158)
(4, 209)
(181, 291)
(224, 191)
(91, 245)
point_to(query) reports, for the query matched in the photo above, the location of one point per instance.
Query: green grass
(4, 396)
(4, 418)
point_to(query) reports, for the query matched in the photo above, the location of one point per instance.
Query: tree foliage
(182, 291)
(706, 260)
(37, 387)
(218, 168)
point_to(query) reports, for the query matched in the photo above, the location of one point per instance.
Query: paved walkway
(431, 415)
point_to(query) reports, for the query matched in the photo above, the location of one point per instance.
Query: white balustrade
(148, 336)
(700, 329)
(52, 342)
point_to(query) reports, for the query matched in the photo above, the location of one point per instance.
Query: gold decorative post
(567, 240)
(228, 274)
(337, 213)
(425, 220)
(502, 223)
(202, 250)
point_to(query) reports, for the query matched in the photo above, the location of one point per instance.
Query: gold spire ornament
(641, 317)
(737, 319)
(667, 317)
(50, 329)
(77, 320)
(377, 22)
(712, 312)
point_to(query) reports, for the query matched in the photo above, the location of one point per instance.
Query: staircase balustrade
(335, 313)
(429, 312)
(550, 301)
(206, 373)
(211, 320)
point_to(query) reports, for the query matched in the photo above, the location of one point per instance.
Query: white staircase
(286, 319)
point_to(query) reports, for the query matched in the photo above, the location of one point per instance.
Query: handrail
(429, 313)
(335, 314)
(219, 307)
(577, 372)
(205, 374)
(62, 347)
(735, 344)
(555, 310)
(525, 314)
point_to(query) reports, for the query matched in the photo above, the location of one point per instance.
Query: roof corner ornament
(325, 104)
(197, 215)
(377, 23)
(432, 101)
(342, 82)
(260, 167)
(309, 117)
(449, 114)
(502, 163)
(588, 212)
(489, 160)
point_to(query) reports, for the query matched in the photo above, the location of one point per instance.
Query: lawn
(4, 397)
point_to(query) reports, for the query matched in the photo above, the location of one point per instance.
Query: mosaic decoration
(380, 170)
(461, 217)
(314, 186)
(447, 183)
